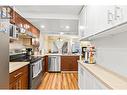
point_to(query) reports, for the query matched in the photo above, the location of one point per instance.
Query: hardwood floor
(59, 81)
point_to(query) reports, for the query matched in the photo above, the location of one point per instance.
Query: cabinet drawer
(18, 73)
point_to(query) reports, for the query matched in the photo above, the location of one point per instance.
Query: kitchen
(63, 47)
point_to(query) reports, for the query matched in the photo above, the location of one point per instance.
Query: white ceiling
(55, 26)
(72, 10)
(55, 18)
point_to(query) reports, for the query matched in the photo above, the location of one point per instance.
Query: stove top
(24, 58)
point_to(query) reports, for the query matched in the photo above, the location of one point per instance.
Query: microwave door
(11, 31)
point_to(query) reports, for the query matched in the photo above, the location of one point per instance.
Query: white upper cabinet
(91, 18)
(98, 85)
(120, 14)
(82, 22)
(104, 18)
(96, 19)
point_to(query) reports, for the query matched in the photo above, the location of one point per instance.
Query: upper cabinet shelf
(108, 32)
(102, 21)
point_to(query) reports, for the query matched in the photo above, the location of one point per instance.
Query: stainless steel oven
(35, 73)
(36, 68)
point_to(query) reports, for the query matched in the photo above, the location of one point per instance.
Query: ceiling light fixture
(67, 27)
(61, 33)
(42, 26)
(81, 27)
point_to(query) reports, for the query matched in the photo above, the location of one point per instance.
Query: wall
(20, 44)
(43, 43)
(46, 41)
(112, 52)
(16, 45)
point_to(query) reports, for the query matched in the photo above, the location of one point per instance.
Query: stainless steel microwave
(14, 31)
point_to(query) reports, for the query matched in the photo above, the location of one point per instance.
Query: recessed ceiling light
(81, 27)
(42, 26)
(67, 27)
(61, 33)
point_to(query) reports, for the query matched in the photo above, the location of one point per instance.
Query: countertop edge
(16, 67)
(101, 79)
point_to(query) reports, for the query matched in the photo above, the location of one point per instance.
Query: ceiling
(56, 26)
(49, 9)
(54, 18)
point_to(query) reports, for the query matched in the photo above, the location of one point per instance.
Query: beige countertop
(13, 66)
(40, 55)
(63, 54)
(57, 54)
(108, 78)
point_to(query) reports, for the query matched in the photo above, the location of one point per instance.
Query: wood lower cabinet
(19, 78)
(69, 63)
(46, 63)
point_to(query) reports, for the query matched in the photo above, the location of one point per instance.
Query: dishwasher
(54, 63)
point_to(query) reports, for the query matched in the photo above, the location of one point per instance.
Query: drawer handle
(18, 74)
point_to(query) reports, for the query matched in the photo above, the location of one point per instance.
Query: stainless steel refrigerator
(4, 54)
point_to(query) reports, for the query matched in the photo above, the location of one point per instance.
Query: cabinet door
(20, 83)
(99, 85)
(12, 14)
(24, 81)
(105, 18)
(121, 13)
(91, 20)
(88, 80)
(74, 63)
(46, 63)
(81, 77)
(69, 63)
(65, 63)
(98, 19)
(19, 78)
(16, 84)
(82, 22)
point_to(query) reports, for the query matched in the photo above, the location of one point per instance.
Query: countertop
(108, 78)
(13, 66)
(56, 54)
(62, 54)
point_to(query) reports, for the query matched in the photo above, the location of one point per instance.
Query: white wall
(112, 52)
(43, 43)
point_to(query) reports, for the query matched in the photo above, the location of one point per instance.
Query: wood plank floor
(59, 81)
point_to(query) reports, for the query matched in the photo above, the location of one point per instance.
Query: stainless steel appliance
(14, 31)
(35, 73)
(35, 68)
(29, 51)
(4, 55)
(84, 51)
(54, 63)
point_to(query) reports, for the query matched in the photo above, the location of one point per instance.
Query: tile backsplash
(16, 45)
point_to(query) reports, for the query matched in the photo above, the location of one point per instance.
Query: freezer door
(4, 60)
